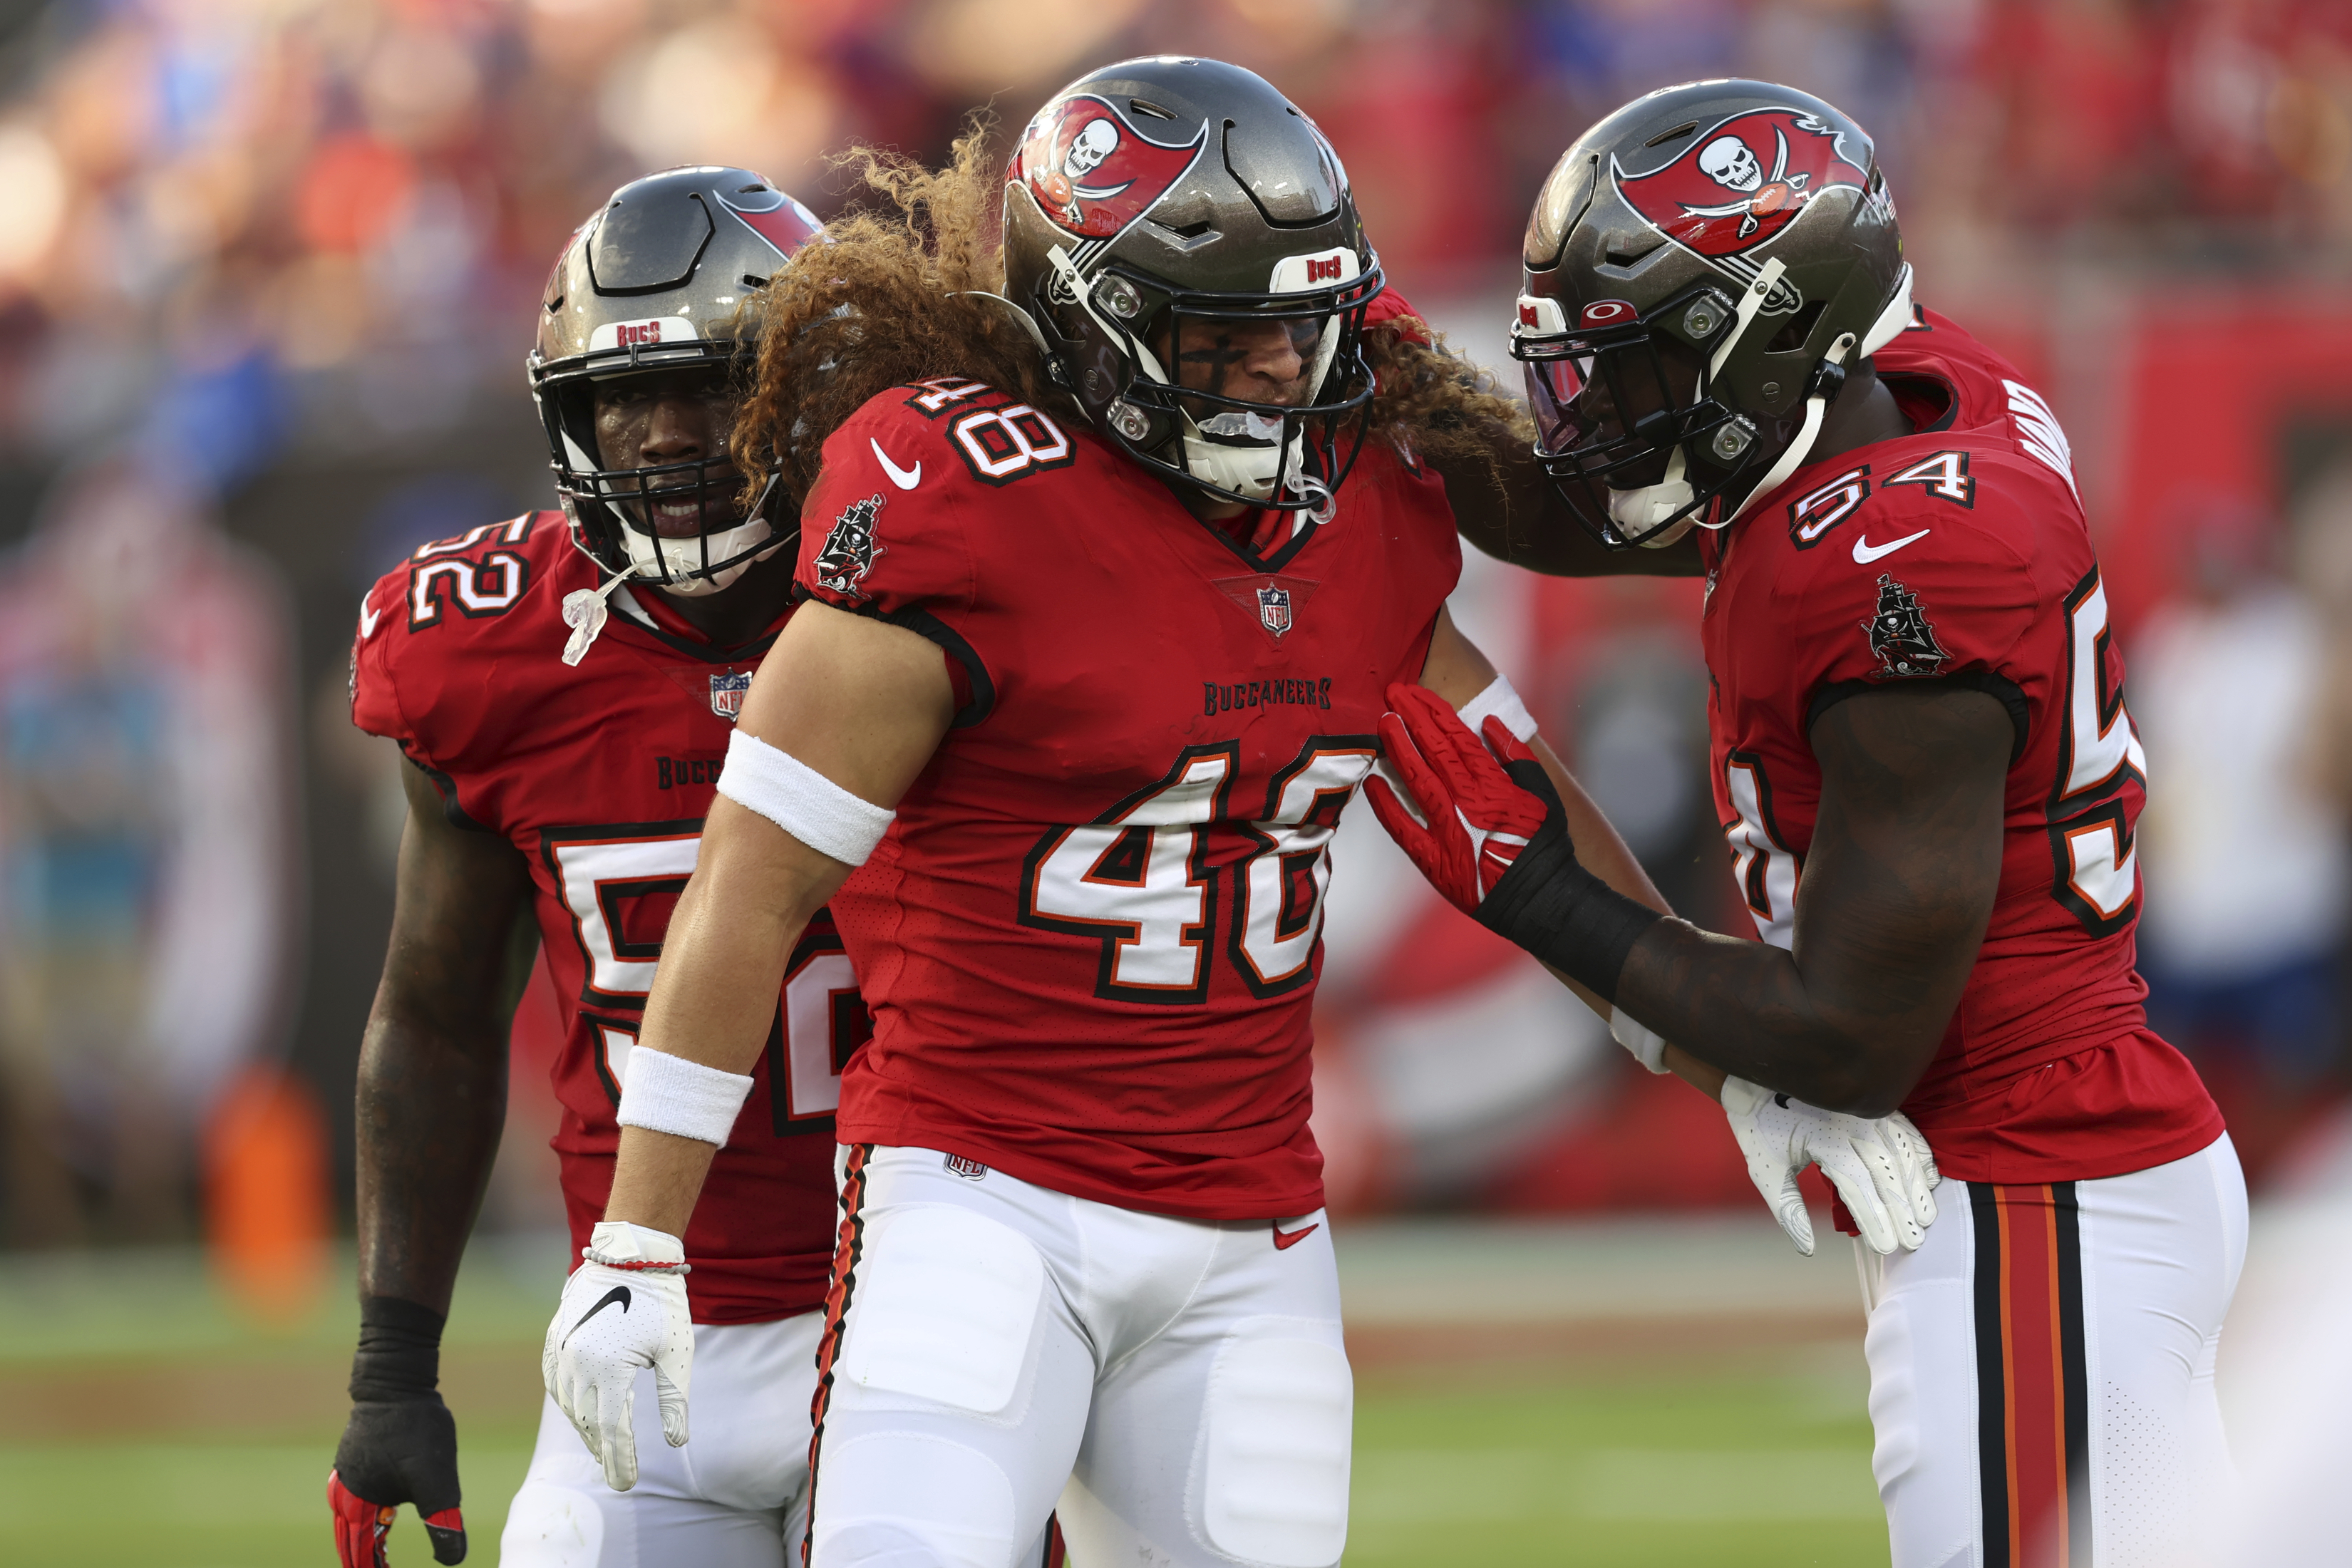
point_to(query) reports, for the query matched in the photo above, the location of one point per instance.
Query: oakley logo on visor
(1607, 313)
(629, 334)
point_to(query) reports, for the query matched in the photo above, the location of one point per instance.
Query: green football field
(1554, 1415)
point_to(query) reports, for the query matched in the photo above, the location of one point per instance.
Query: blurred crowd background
(268, 270)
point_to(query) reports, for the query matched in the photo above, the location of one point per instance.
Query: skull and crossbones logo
(1098, 140)
(1062, 188)
(1733, 164)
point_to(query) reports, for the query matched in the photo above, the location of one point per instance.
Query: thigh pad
(945, 1309)
(1280, 1412)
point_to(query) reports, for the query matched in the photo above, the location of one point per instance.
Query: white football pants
(2042, 1370)
(994, 1341)
(735, 1496)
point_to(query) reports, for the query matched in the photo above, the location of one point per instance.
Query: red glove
(361, 1526)
(1478, 819)
(407, 1452)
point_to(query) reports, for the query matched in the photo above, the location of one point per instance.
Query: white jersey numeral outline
(821, 1018)
(2095, 859)
(1140, 879)
(1762, 864)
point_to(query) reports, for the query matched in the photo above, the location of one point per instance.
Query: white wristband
(685, 1099)
(1649, 1047)
(801, 800)
(1499, 700)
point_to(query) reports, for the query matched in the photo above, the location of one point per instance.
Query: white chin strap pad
(672, 563)
(1245, 470)
(1640, 513)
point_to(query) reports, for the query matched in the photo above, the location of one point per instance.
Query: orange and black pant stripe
(2032, 1393)
(846, 1253)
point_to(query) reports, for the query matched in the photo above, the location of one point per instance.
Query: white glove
(1882, 1168)
(623, 1310)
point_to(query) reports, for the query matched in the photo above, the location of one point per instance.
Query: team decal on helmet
(773, 216)
(1738, 183)
(850, 549)
(1900, 634)
(1093, 173)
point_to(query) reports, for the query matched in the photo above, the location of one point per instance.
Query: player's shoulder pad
(427, 624)
(948, 431)
(1965, 495)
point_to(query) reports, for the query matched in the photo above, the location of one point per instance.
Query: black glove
(401, 1444)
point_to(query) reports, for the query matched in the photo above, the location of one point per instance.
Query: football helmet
(1702, 267)
(651, 285)
(1151, 207)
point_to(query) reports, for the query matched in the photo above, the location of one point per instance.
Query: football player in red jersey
(1928, 779)
(564, 764)
(1140, 488)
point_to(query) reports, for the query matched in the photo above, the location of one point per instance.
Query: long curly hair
(922, 254)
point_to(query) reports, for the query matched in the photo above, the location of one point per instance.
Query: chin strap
(1816, 407)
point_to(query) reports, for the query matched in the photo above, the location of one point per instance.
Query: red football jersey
(1092, 937)
(1960, 551)
(601, 775)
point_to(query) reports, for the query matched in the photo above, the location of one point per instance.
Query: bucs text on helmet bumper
(656, 284)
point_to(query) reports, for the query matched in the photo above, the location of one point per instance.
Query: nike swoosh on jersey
(1284, 1239)
(905, 479)
(1864, 552)
(617, 1293)
(369, 615)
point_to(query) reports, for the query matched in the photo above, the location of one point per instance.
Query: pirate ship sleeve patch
(1919, 600)
(882, 528)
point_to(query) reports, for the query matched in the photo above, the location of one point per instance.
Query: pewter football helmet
(1152, 204)
(1702, 267)
(652, 283)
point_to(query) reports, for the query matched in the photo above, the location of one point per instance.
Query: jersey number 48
(1144, 877)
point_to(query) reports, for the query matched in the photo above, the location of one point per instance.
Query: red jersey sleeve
(1910, 590)
(375, 688)
(882, 531)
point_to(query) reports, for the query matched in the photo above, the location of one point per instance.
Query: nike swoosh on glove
(1882, 1168)
(624, 1310)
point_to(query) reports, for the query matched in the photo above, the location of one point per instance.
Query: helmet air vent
(648, 245)
(1798, 332)
(1290, 186)
(1627, 250)
(1145, 105)
(1676, 134)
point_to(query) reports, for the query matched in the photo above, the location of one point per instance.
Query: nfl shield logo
(1274, 609)
(727, 694)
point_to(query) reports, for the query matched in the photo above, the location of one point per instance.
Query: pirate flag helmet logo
(1739, 183)
(1092, 171)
